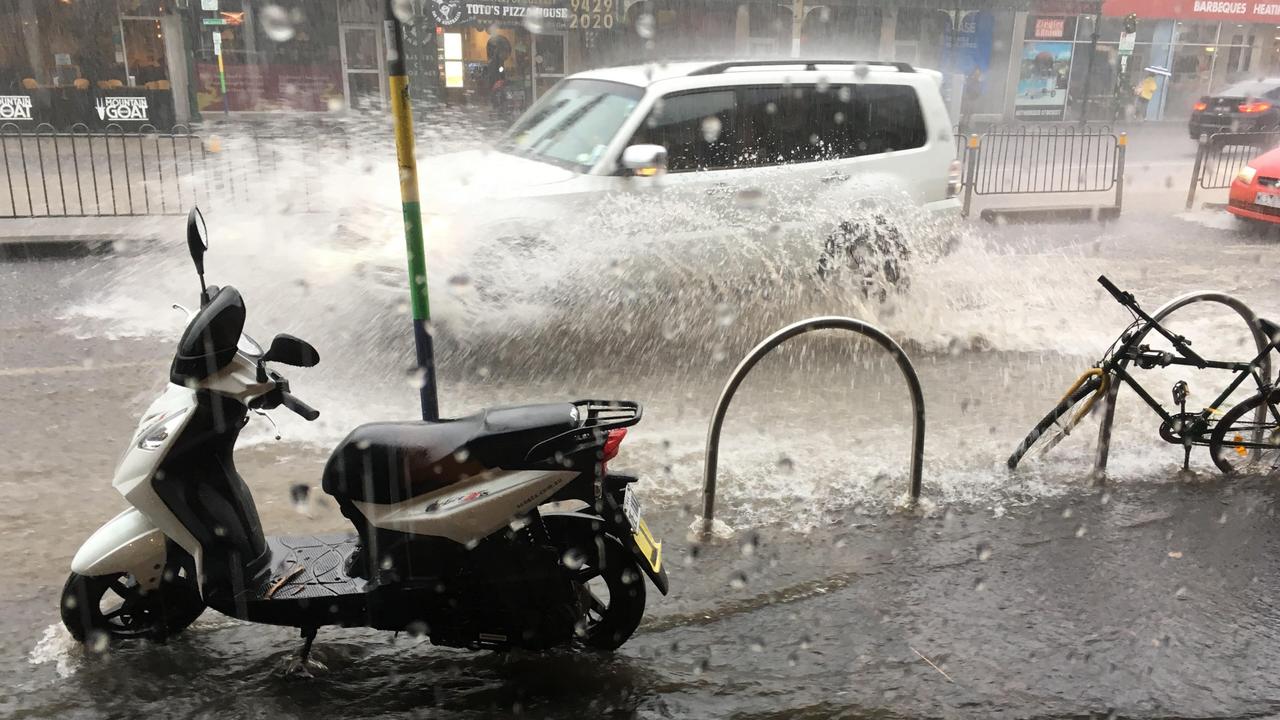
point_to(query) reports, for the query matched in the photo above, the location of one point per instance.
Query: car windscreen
(573, 123)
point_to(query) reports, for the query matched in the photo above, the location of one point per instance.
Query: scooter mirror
(197, 238)
(293, 351)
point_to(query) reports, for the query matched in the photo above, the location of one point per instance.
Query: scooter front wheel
(114, 607)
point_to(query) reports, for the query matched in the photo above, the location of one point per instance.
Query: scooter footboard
(127, 543)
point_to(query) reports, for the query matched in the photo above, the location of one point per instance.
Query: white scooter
(449, 539)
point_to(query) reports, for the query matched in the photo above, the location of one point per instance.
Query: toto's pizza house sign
(1237, 10)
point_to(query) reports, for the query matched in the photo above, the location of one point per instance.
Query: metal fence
(1221, 156)
(1055, 159)
(44, 173)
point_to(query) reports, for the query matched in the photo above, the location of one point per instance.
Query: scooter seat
(389, 462)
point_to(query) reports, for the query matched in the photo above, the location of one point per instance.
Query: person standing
(1146, 91)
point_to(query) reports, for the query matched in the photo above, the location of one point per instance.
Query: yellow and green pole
(398, 85)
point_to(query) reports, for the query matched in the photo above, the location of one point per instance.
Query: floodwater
(1034, 594)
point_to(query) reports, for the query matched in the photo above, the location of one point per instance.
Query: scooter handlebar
(1121, 296)
(307, 412)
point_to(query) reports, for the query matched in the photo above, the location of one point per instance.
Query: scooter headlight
(155, 434)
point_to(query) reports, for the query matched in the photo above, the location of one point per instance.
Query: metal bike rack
(828, 322)
(1245, 312)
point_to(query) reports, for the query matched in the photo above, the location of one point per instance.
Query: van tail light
(1255, 107)
(953, 179)
(1200, 106)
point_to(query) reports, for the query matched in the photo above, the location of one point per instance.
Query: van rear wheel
(111, 608)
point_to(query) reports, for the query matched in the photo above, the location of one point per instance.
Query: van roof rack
(718, 68)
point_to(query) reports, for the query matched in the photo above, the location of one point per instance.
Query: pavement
(39, 238)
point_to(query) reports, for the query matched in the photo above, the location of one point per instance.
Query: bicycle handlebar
(1121, 296)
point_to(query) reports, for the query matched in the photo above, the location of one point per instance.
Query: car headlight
(1247, 174)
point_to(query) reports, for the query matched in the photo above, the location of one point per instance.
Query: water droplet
(97, 641)
(711, 126)
(824, 13)
(700, 667)
(980, 585)
(519, 523)
(69, 601)
(534, 19)
(462, 455)
(460, 280)
(738, 580)
(416, 377)
(276, 23)
(839, 118)
(749, 197)
(335, 104)
(984, 552)
(299, 494)
(757, 646)
(749, 546)
(786, 465)
(1068, 512)
(573, 559)
(860, 71)
(416, 629)
(845, 94)
(805, 642)
(1175, 554)
(403, 10)
(1080, 531)
(629, 577)
(793, 659)
(822, 84)
(645, 26)
(483, 371)
(387, 563)
(771, 108)
(726, 314)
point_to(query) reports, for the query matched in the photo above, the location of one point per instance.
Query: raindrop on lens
(460, 281)
(726, 314)
(860, 71)
(97, 641)
(533, 20)
(844, 94)
(403, 10)
(299, 493)
(786, 465)
(711, 128)
(276, 23)
(573, 559)
(822, 84)
(417, 377)
(645, 26)
(738, 581)
(984, 552)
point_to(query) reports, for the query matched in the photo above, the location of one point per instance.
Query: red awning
(1240, 11)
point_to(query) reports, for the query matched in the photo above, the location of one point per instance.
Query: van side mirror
(290, 350)
(645, 160)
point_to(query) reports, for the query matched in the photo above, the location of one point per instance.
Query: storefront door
(362, 55)
(548, 62)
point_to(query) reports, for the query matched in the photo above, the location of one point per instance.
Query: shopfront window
(284, 56)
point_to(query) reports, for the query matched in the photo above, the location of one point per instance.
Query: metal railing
(1221, 156)
(44, 173)
(1062, 159)
(80, 173)
(764, 348)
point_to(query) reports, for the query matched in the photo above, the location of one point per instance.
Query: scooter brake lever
(274, 427)
(184, 309)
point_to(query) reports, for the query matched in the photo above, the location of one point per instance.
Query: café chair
(81, 84)
(29, 84)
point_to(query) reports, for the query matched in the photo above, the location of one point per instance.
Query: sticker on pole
(217, 43)
(1127, 42)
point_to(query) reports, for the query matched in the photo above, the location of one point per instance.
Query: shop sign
(457, 12)
(1235, 10)
(1127, 43)
(126, 108)
(1050, 28)
(15, 107)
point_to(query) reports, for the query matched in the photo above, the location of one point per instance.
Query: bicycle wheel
(1232, 444)
(1068, 404)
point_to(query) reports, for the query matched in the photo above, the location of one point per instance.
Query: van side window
(884, 118)
(696, 128)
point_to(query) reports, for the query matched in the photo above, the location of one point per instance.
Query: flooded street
(1038, 593)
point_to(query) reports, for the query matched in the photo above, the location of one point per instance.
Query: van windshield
(573, 123)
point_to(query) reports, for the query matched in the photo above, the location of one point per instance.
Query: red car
(1255, 193)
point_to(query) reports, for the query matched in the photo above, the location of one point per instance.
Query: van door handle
(834, 177)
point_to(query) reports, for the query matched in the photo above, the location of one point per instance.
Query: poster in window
(1042, 82)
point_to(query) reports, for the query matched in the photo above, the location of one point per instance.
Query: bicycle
(1235, 443)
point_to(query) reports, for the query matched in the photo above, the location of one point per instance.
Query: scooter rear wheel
(115, 608)
(612, 592)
